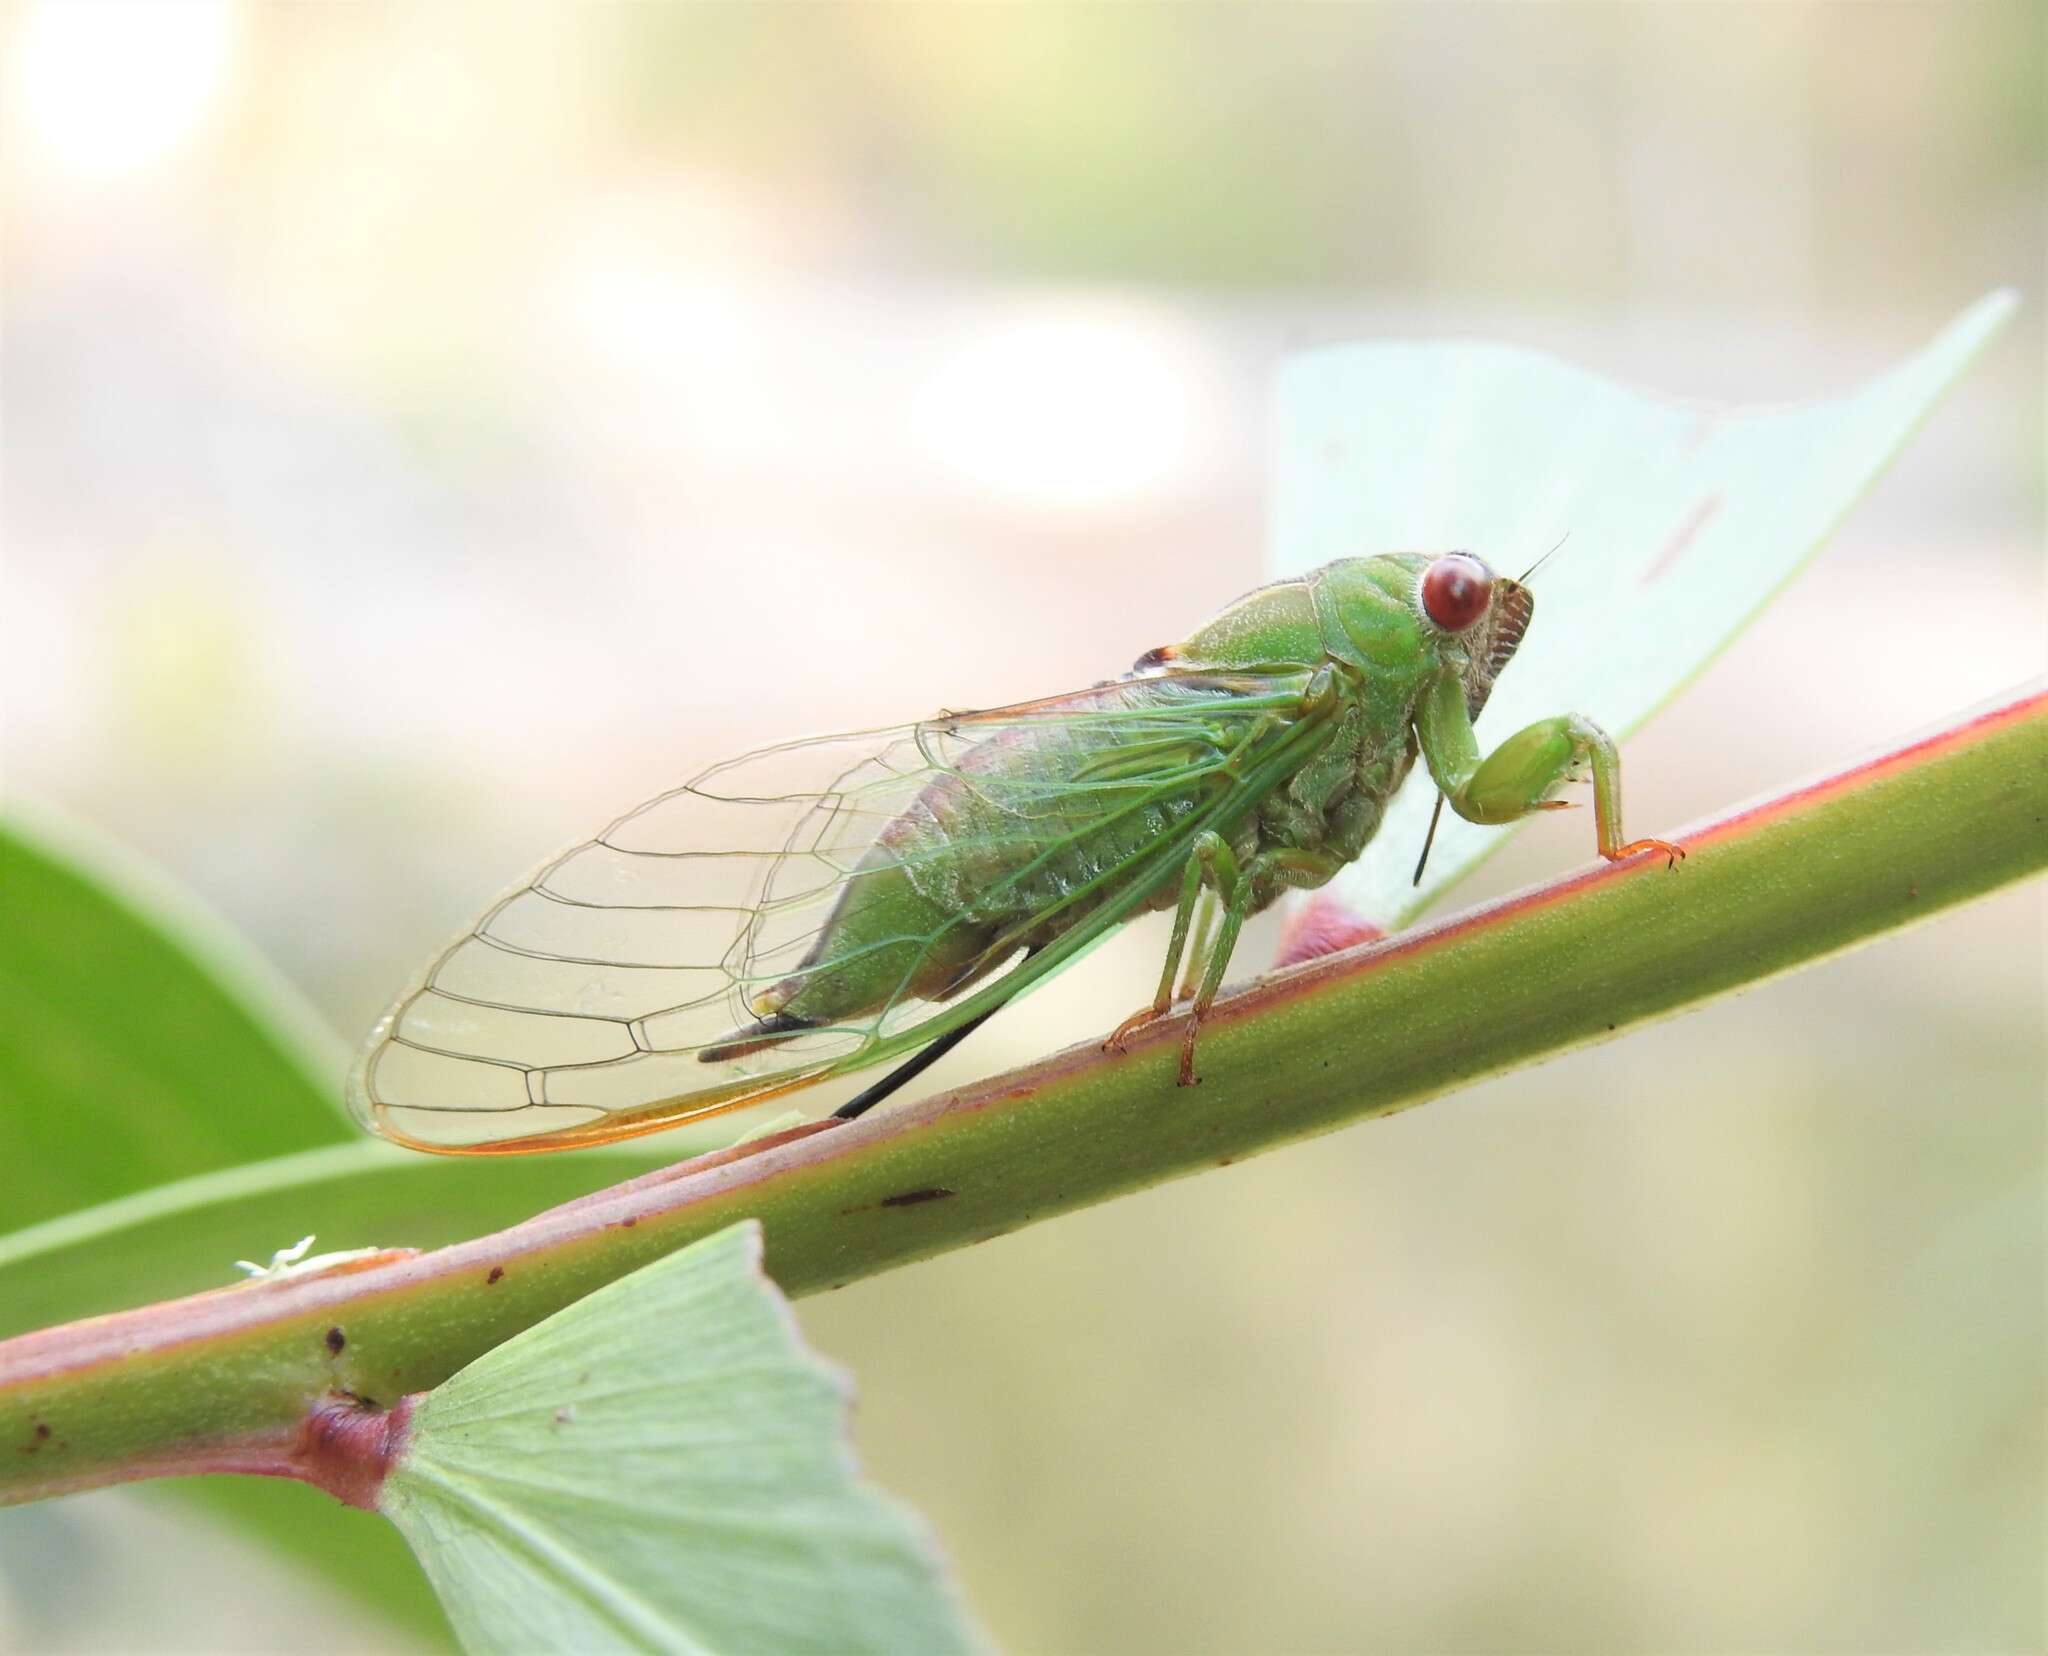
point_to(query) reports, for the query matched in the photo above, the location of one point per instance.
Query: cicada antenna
(1540, 562)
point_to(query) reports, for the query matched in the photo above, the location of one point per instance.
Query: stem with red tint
(241, 1379)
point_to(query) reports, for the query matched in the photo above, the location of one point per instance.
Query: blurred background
(430, 429)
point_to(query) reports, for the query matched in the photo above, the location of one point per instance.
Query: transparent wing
(592, 1001)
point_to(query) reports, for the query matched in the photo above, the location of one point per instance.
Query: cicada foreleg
(1520, 774)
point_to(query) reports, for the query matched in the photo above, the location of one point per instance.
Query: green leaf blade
(182, 1238)
(170, 1104)
(139, 1040)
(662, 1466)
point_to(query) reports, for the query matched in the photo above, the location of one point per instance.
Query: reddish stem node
(348, 1446)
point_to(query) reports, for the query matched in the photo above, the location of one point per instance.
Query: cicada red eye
(1456, 590)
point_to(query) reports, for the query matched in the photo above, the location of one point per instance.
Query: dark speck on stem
(336, 1340)
(497, 1273)
(911, 1198)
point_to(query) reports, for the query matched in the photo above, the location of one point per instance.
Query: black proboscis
(1429, 838)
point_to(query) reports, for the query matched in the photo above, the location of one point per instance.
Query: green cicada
(822, 906)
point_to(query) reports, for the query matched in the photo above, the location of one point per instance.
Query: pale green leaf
(663, 1466)
(1683, 521)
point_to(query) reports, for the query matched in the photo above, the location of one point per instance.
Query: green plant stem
(236, 1379)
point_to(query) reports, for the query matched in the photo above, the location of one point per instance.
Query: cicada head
(1481, 617)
